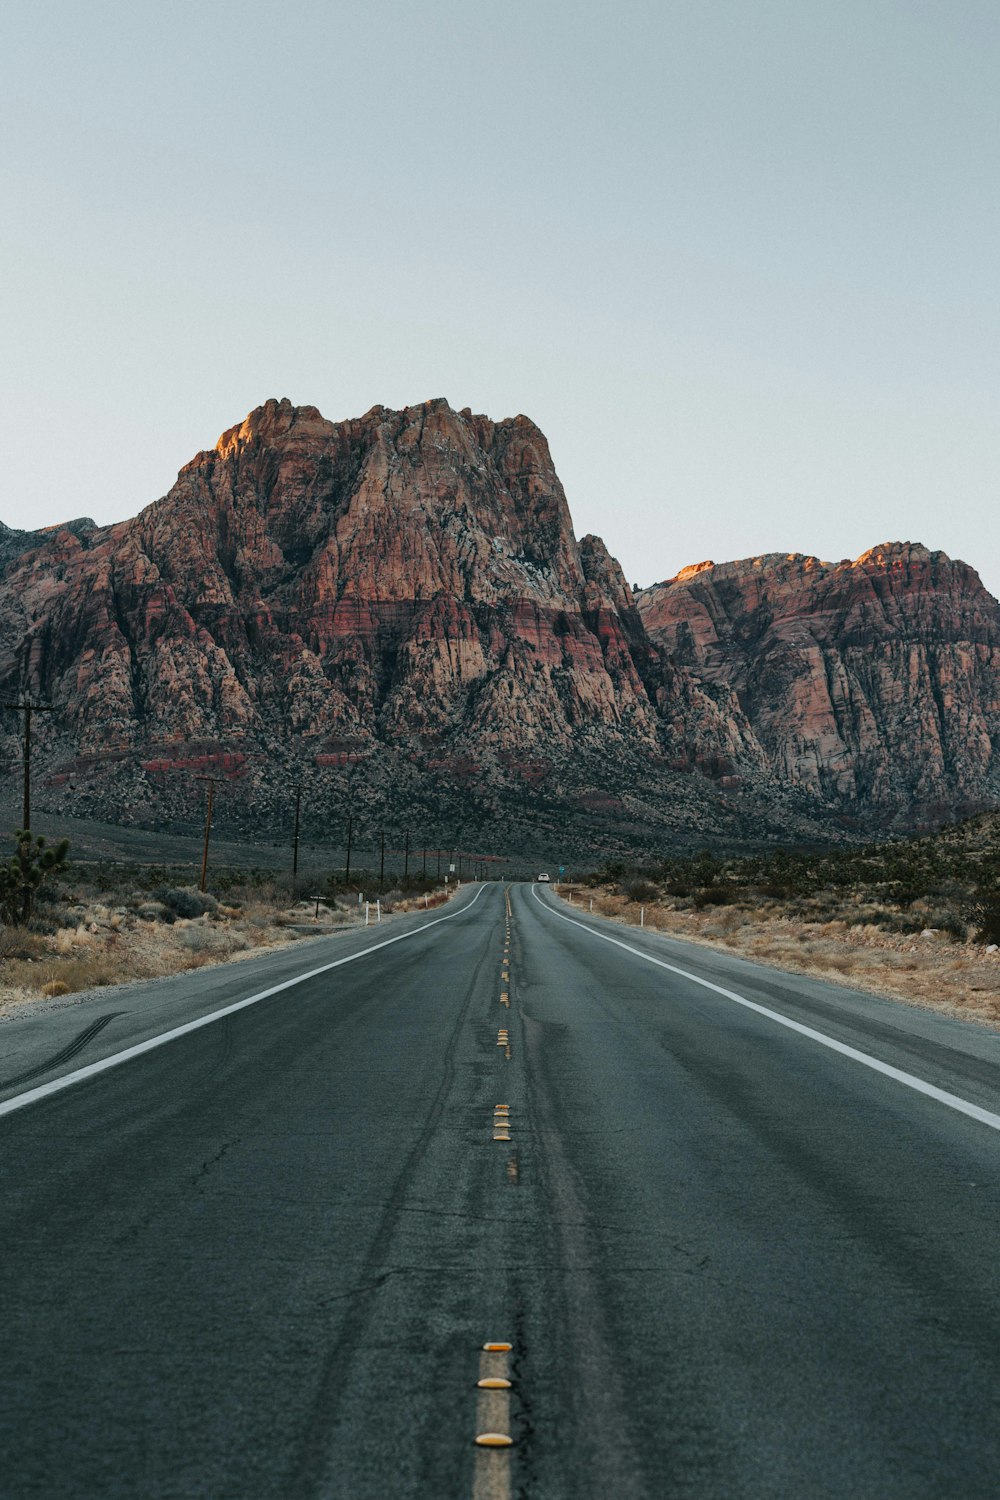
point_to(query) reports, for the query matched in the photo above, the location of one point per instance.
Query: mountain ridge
(404, 592)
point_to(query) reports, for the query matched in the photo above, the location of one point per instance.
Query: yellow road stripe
(492, 1476)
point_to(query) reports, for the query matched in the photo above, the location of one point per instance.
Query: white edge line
(19, 1101)
(984, 1116)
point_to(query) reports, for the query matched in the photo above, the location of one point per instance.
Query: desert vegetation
(917, 919)
(100, 924)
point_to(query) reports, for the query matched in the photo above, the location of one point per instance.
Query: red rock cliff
(874, 682)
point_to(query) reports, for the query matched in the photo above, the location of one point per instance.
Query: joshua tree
(32, 861)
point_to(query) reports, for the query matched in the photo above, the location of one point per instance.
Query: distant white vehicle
(544, 877)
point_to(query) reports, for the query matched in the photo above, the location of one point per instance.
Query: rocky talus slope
(395, 612)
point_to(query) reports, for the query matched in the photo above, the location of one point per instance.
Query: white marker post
(642, 916)
(378, 909)
(366, 913)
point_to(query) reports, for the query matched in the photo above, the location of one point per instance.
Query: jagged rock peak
(77, 526)
(14, 543)
(278, 424)
(272, 422)
(897, 554)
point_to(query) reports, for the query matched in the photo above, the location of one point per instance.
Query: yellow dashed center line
(492, 1480)
(501, 1122)
(493, 1441)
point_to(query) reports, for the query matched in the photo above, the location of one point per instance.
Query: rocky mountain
(13, 542)
(873, 684)
(395, 612)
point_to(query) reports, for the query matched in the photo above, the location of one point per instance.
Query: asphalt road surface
(742, 1238)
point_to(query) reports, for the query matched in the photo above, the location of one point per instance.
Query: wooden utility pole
(406, 858)
(425, 861)
(381, 862)
(295, 836)
(28, 708)
(208, 828)
(347, 871)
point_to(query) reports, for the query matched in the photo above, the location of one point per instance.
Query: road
(734, 1257)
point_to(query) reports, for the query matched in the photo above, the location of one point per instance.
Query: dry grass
(105, 943)
(936, 972)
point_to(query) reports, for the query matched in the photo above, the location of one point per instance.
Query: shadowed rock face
(874, 682)
(400, 601)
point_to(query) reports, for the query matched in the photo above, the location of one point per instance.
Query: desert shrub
(985, 913)
(185, 901)
(947, 920)
(197, 939)
(715, 895)
(155, 911)
(639, 890)
(17, 944)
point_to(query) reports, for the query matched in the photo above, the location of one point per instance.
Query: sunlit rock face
(874, 682)
(395, 610)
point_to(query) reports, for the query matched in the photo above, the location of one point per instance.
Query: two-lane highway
(732, 1256)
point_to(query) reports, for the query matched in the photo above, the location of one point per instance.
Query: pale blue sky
(738, 258)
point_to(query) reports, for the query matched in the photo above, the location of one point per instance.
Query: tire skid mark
(77, 1045)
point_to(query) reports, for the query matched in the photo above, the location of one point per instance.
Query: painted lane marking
(501, 1122)
(909, 1080)
(493, 1442)
(20, 1101)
